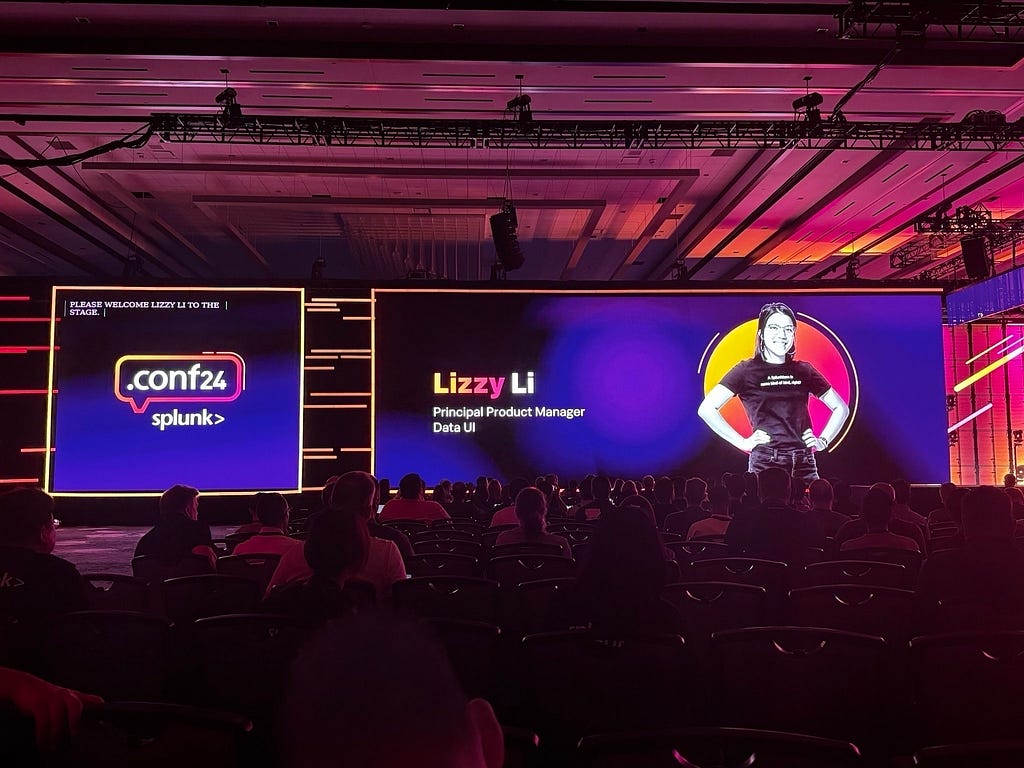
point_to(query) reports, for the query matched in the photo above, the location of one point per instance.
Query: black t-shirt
(34, 586)
(775, 397)
(173, 538)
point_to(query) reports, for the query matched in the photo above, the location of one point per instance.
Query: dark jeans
(798, 462)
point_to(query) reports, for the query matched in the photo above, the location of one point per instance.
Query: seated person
(272, 537)
(178, 533)
(531, 512)
(354, 492)
(876, 512)
(335, 550)
(721, 516)
(410, 503)
(665, 495)
(34, 584)
(507, 515)
(941, 514)
(774, 530)
(901, 508)
(984, 579)
(858, 527)
(600, 503)
(618, 590)
(695, 493)
(821, 497)
(55, 711)
(375, 691)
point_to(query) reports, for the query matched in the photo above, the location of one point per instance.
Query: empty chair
(712, 606)
(867, 572)
(715, 747)
(968, 686)
(408, 527)
(119, 655)
(153, 735)
(240, 662)
(910, 560)
(443, 534)
(153, 569)
(526, 548)
(560, 528)
(981, 754)
(448, 547)
(194, 597)
(516, 569)
(117, 592)
(448, 597)
(580, 551)
(769, 574)
(232, 540)
(459, 525)
(442, 565)
(881, 611)
(688, 551)
(572, 684)
(472, 648)
(539, 605)
(258, 568)
(823, 682)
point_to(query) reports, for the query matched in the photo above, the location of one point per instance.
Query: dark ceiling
(74, 76)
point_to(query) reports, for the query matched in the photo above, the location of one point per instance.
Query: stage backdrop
(509, 384)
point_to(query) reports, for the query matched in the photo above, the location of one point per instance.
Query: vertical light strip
(302, 380)
(49, 397)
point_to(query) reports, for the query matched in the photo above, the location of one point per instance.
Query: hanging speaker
(506, 241)
(975, 255)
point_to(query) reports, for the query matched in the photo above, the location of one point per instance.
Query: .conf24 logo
(210, 377)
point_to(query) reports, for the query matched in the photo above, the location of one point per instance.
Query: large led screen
(515, 384)
(153, 387)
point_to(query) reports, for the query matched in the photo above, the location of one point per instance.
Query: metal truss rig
(566, 134)
(987, 21)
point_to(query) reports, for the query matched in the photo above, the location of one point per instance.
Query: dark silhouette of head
(902, 490)
(719, 500)
(411, 486)
(773, 485)
(356, 492)
(987, 514)
(272, 510)
(26, 520)
(626, 561)
(1009, 480)
(337, 545)
(664, 490)
(639, 503)
(179, 500)
(877, 510)
(373, 690)
(601, 487)
(768, 311)
(531, 511)
(695, 491)
(955, 504)
(821, 494)
(944, 490)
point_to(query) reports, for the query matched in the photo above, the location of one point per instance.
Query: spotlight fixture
(316, 272)
(506, 242)
(1018, 437)
(520, 108)
(231, 110)
(809, 104)
(954, 438)
(950, 402)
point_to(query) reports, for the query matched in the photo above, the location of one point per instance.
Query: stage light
(810, 101)
(1018, 437)
(231, 110)
(950, 402)
(506, 241)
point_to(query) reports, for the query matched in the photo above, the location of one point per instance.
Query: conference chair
(712, 606)
(526, 548)
(472, 648)
(881, 611)
(865, 572)
(981, 754)
(515, 569)
(726, 747)
(117, 592)
(188, 598)
(257, 568)
(687, 552)
(449, 547)
(448, 597)
(153, 569)
(539, 606)
(442, 565)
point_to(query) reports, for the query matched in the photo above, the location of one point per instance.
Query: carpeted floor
(108, 550)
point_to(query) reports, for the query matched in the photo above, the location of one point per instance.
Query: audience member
(55, 711)
(507, 515)
(618, 590)
(376, 691)
(876, 513)
(410, 504)
(272, 537)
(178, 532)
(774, 530)
(461, 506)
(1009, 480)
(941, 514)
(844, 503)
(981, 584)
(335, 552)
(858, 526)
(901, 507)
(721, 515)
(601, 500)
(664, 494)
(821, 496)
(531, 513)
(696, 494)
(556, 507)
(34, 584)
(1016, 496)
(354, 493)
(647, 483)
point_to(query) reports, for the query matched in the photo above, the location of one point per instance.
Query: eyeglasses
(789, 330)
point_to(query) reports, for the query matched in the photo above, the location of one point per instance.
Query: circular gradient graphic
(815, 343)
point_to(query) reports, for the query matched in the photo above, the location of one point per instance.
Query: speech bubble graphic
(210, 377)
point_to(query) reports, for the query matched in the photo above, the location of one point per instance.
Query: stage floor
(108, 549)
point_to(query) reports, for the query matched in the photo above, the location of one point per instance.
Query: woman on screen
(773, 387)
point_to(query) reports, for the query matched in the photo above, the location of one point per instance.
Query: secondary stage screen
(515, 384)
(153, 387)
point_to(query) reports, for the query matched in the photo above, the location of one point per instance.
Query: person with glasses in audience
(272, 538)
(34, 583)
(774, 388)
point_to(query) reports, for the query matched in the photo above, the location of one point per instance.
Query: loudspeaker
(975, 255)
(506, 242)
